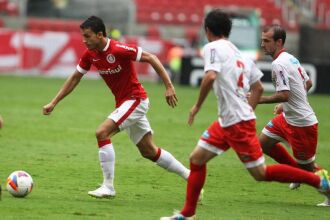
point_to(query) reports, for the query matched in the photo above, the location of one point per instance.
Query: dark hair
(218, 22)
(279, 32)
(95, 24)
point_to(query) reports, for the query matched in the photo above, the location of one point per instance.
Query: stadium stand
(162, 17)
(38, 24)
(285, 12)
(192, 12)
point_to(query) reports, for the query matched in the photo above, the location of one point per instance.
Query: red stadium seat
(182, 12)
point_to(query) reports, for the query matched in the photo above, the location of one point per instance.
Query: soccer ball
(19, 183)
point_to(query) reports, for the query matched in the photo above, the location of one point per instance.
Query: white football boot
(326, 202)
(324, 187)
(178, 216)
(201, 196)
(103, 192)
(293, 186)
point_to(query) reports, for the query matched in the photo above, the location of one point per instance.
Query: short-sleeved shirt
(235, 74)
(288, 74)
(115, 65)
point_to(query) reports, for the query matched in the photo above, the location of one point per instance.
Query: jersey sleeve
(304, 74)
(280, 77)
(127, 51)
(211, 60)
(84, 63)
(256, 73)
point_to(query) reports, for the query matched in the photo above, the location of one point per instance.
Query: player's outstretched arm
(170, 94)
(278, 97)
(67, 87)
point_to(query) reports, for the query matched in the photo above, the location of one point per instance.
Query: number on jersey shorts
(241, 137)
(303, 140)
(131, 116)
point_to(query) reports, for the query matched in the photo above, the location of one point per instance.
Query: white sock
(107, 162)
(169, 163)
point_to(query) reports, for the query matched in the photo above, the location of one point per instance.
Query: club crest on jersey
(111, 58)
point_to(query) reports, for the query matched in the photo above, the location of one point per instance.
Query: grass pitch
(60, 153)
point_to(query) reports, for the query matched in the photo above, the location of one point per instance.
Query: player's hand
(171, 98)
(278, 109)
(193, 111)
(47, 109)
(1, 122)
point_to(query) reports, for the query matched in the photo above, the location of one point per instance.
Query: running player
(114, 62)
(232, 76)
(295, 121)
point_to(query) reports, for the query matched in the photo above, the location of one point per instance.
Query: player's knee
(148, 153)
(259, 178)
(101, 134)
(258, 173)
(195, 159)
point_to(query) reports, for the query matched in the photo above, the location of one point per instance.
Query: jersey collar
(279, 52)
(107, 45)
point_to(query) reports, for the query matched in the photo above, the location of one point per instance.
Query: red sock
(103, 142)
(282, 156)
(195, 184)
(159, 151)
(287, 174)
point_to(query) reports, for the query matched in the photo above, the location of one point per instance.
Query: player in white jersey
(295, 120)
(232, 76)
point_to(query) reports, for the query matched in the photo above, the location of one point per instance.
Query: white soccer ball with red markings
(19, 183)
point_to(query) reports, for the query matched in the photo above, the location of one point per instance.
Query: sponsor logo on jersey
(294, 61)
(126, 47)
(111, 71)
(111, 58)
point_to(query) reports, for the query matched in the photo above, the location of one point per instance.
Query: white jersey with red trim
(235, 74)
(288, 74)
(115, 66)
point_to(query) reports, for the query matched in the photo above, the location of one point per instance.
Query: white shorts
(131, 116)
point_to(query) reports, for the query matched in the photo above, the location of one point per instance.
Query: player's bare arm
(170, 94)
(205, 88)
(278, 97)
(66, 89)
(256, 90)
(1, 122)
(308, 85)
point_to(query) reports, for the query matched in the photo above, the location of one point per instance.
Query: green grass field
(60, 153)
